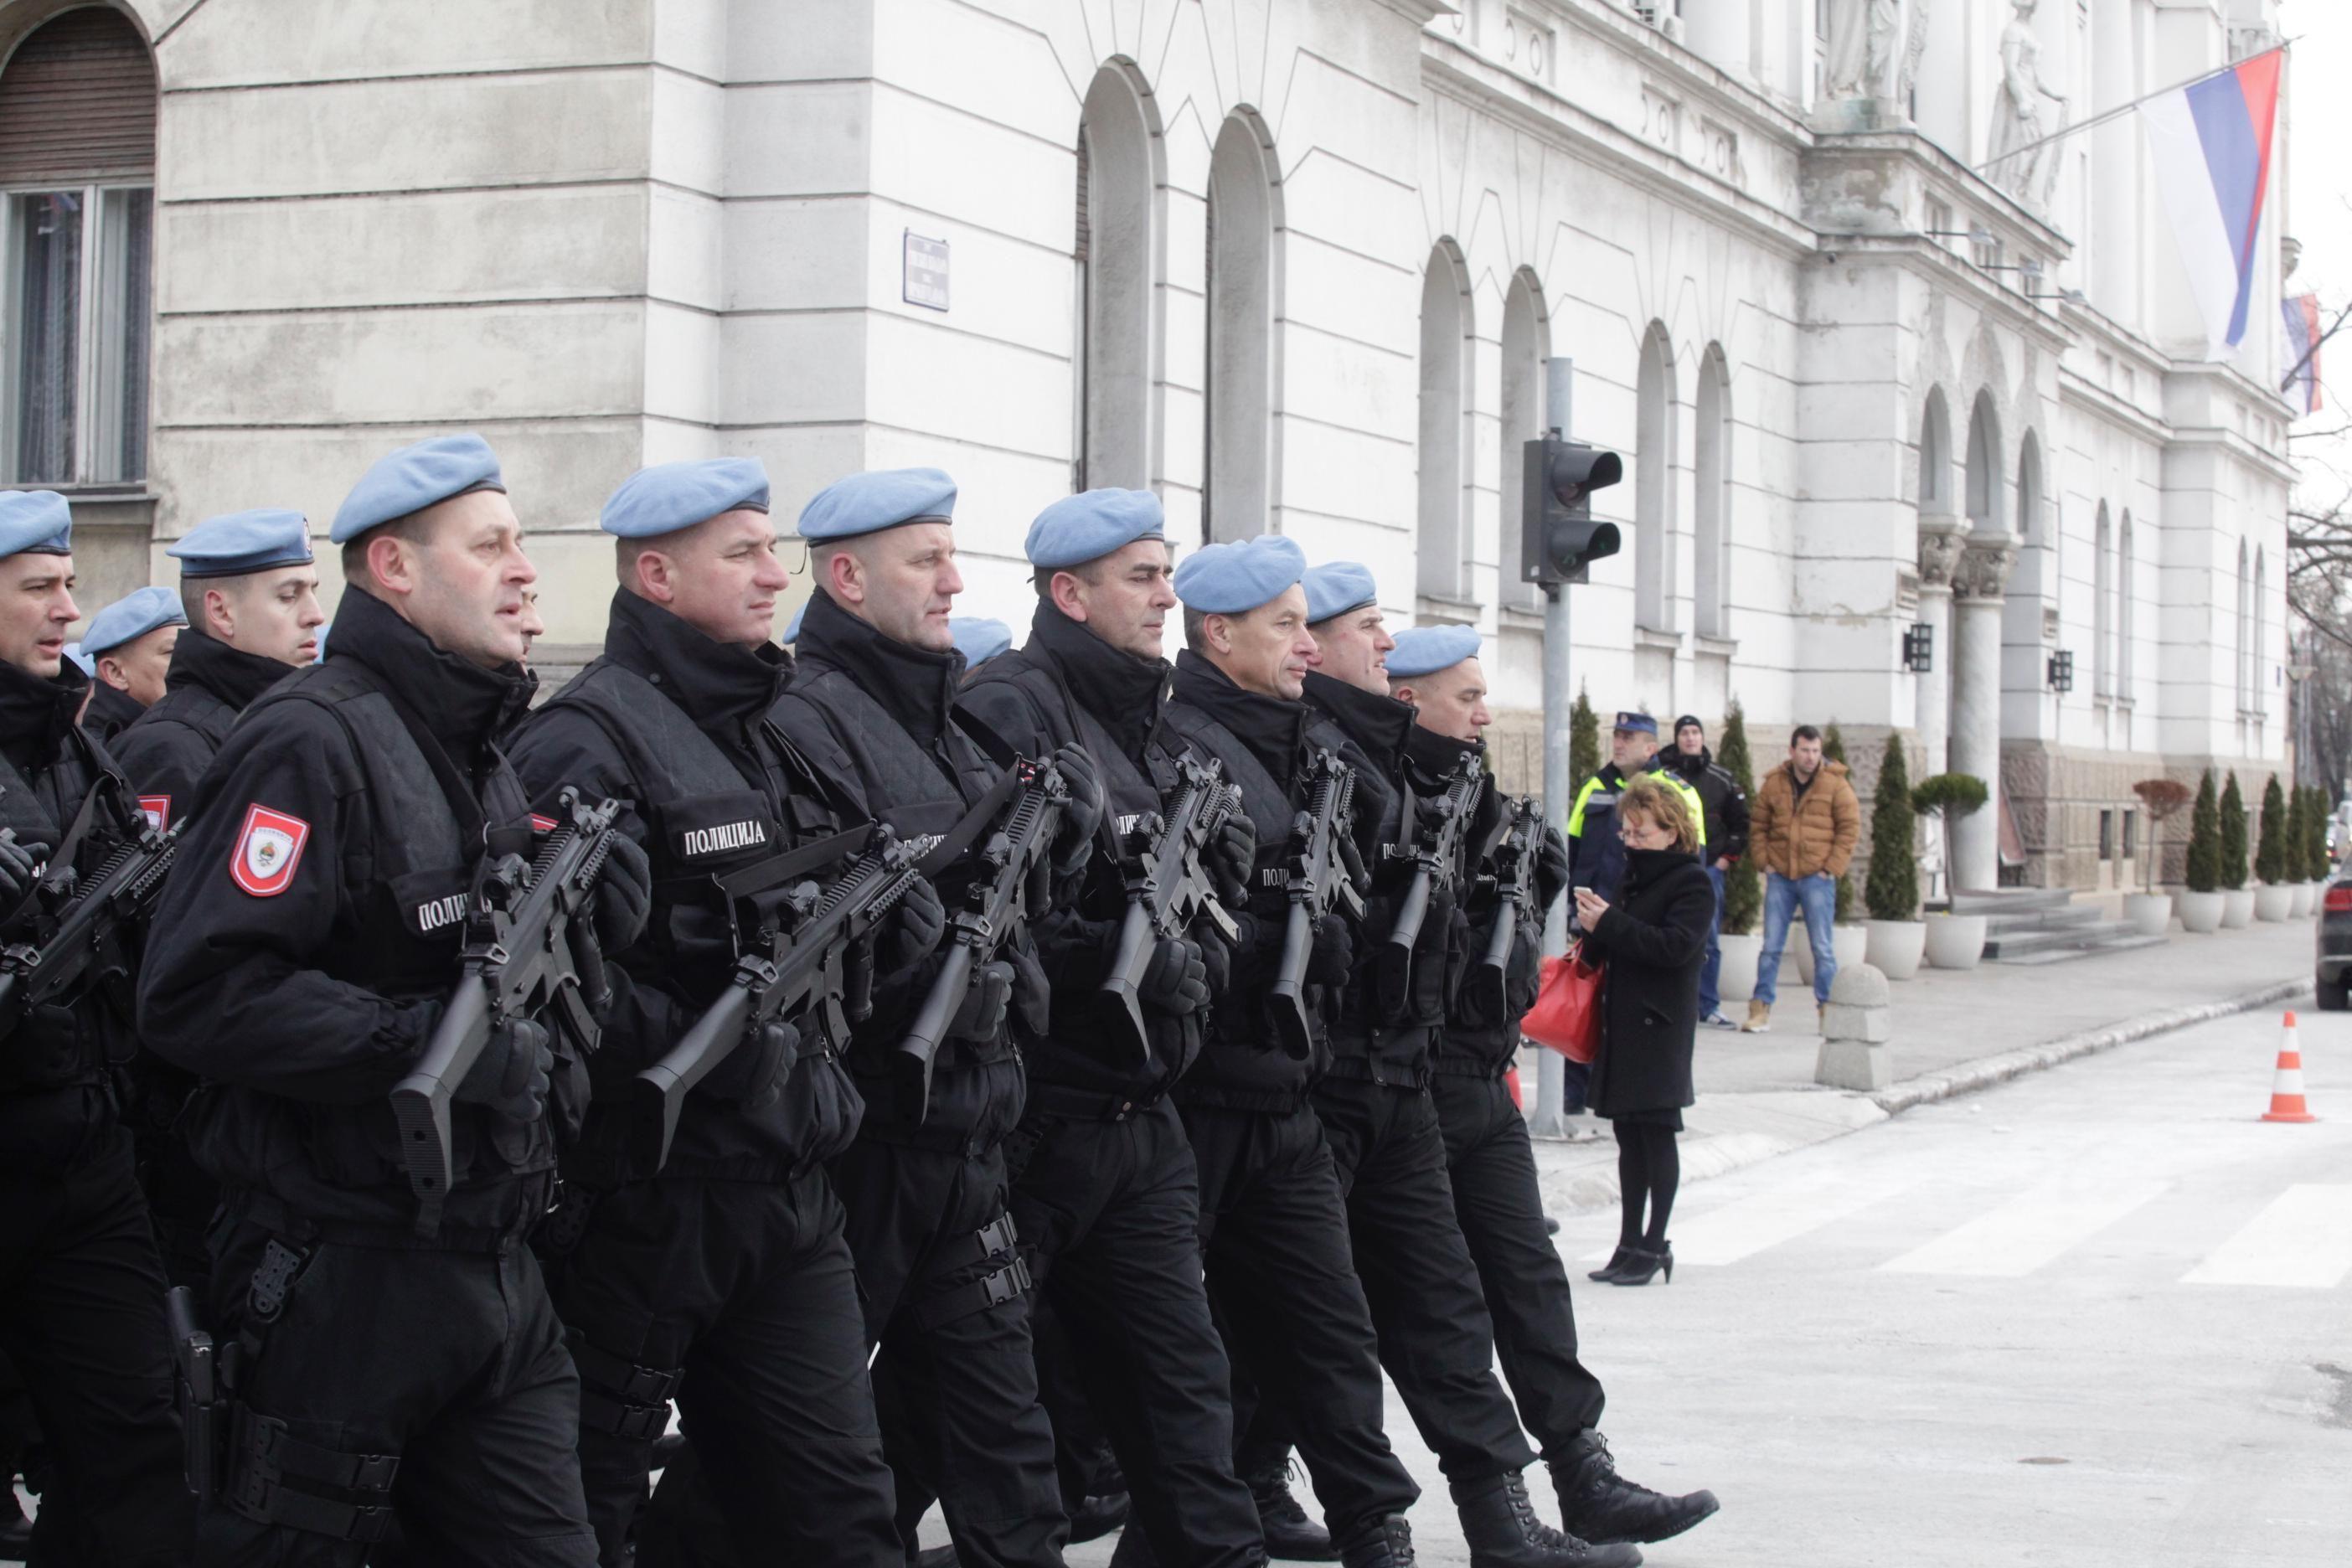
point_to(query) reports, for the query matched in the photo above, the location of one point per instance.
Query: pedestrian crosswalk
(2302, 1238)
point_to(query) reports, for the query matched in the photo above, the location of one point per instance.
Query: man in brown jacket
(1803, 827)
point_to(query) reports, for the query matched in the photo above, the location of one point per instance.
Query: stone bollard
(1856, 1027)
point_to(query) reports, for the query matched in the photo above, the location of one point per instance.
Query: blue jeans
(1710, 974)
(1817, 896)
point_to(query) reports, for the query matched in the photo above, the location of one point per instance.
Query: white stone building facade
(1294, 264)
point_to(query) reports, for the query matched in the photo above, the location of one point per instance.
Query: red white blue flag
(2212, 140)
(2303, 329)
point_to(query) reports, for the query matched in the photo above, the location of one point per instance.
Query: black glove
(1551, 869)
(982, 1017)
(17, 867)
(1233, 857)
(753, 1074)
(1032, 995)
(1333, 959)
(1082, 814)
(1177, 979)
(915, 934)
(1216, 962)
(514, 1072)
(625, 894)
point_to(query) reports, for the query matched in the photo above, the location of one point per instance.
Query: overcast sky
(2319, 182)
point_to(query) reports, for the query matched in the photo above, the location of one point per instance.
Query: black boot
(15, 1529)
(933, 1557)
(1599, 1504)
(1290, 1532)
(1388, 1545)
(1499, 1523)
(1097, 1516)
(1132, 1551)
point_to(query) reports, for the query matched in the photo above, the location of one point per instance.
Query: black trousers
(81, 1315)
(452, 1360)
(1274, 1230)
(1110, 1214)
(1493, 1171)
(747, 1289)
(1435, 1339)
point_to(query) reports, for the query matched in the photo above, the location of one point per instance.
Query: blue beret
(979, 639)
(1640, 723)
(82, 660)
(413, 478)
(244, 541)
(1091, 524)
(793, 626)
(671, 496)
(868, 503)
(1425, 650)
(1336, 587)
(36, 520)
(134, 615)
(1234, 579)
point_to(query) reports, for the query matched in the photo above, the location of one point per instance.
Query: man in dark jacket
(1273, 1225)
(82, 1315)
(872, 709)
(301, 961)
(724, 1280)
(1724, 807)
(128, 647)
(1104, 1190)
(1489, 1162)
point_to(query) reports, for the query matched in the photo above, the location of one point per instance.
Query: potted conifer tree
(2274, 900)
(2201, 907)
(2151, 912)
(2237, 899)
(2297, 833)
(1898, 937)
(1954, 942)
(1743, 885)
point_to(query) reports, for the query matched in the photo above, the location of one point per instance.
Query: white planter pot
(2273, 903)
(1896, 947)
(2306, 900)
(2201, 913)
(1848, 943)
(2149, 913)
(1737, 982)
(1956, 942)
(2237, 907)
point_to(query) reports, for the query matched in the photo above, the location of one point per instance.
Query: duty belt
(1089, 1105)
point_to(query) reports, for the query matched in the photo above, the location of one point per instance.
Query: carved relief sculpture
(1941, 539)
(1984, 566)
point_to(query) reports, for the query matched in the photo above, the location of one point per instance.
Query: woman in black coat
(1654, 940)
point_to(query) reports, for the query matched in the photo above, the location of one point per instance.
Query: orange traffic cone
(2287, 1088)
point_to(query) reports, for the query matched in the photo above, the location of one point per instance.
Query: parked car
(2332, 976)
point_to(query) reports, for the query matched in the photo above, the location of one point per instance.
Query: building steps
(2045, 926)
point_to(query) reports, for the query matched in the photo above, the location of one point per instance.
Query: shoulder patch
(541, 824)
(157, 808)
(267, 849)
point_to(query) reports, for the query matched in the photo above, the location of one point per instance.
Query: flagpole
(2123, 108)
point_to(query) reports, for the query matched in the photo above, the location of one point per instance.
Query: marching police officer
(725, 1279)
(872, 707)
(82, 1316)
(1273, 1227)
(128, 647)
(1490, 1164)
(250, 590)
(307, 941)
(1106, 1195)
(1436, 1338)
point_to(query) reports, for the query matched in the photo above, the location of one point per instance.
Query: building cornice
(1684, 66)
(1933, 264)
(1421, 13)
(2078, 391)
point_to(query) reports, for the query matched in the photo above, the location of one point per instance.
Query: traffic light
(1558, 539)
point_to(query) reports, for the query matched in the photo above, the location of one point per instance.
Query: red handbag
(1567, 1013)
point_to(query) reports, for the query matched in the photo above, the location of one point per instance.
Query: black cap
(1690, 722)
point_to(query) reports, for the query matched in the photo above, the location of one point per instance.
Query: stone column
(1977, 585)
(1940, 537)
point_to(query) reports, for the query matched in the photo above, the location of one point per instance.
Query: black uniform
(725, 1279)
(82, 1314)
(1106, 1195)
(301, 953)
(1272, 1221)
(111, 710)
(163, 752)
(1435, 1339)
(945, 1287)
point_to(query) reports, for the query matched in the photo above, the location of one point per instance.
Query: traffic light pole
(1547, 1121)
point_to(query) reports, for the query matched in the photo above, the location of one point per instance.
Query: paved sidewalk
(1955, 1031)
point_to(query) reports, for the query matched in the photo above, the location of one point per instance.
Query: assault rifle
(1324, 870)
(1009, 883)
(529, 945)
(60, 951)
(1167, 888)
(1513, 851)
(1437, 862)
(805, 960)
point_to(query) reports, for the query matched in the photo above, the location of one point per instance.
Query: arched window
(1117, 253)
(1935, 456)
(2258, 687)
(1444, 362)
(1654, 479)
(1711, 509)
(1983, 477)
(2244, 644)
(78, 163)
(2124, 596)
(1526, 347)
(2102, 597)
(1238, 417)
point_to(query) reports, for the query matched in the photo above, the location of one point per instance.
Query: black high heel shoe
(1642, 1266)
(1607, 1273)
